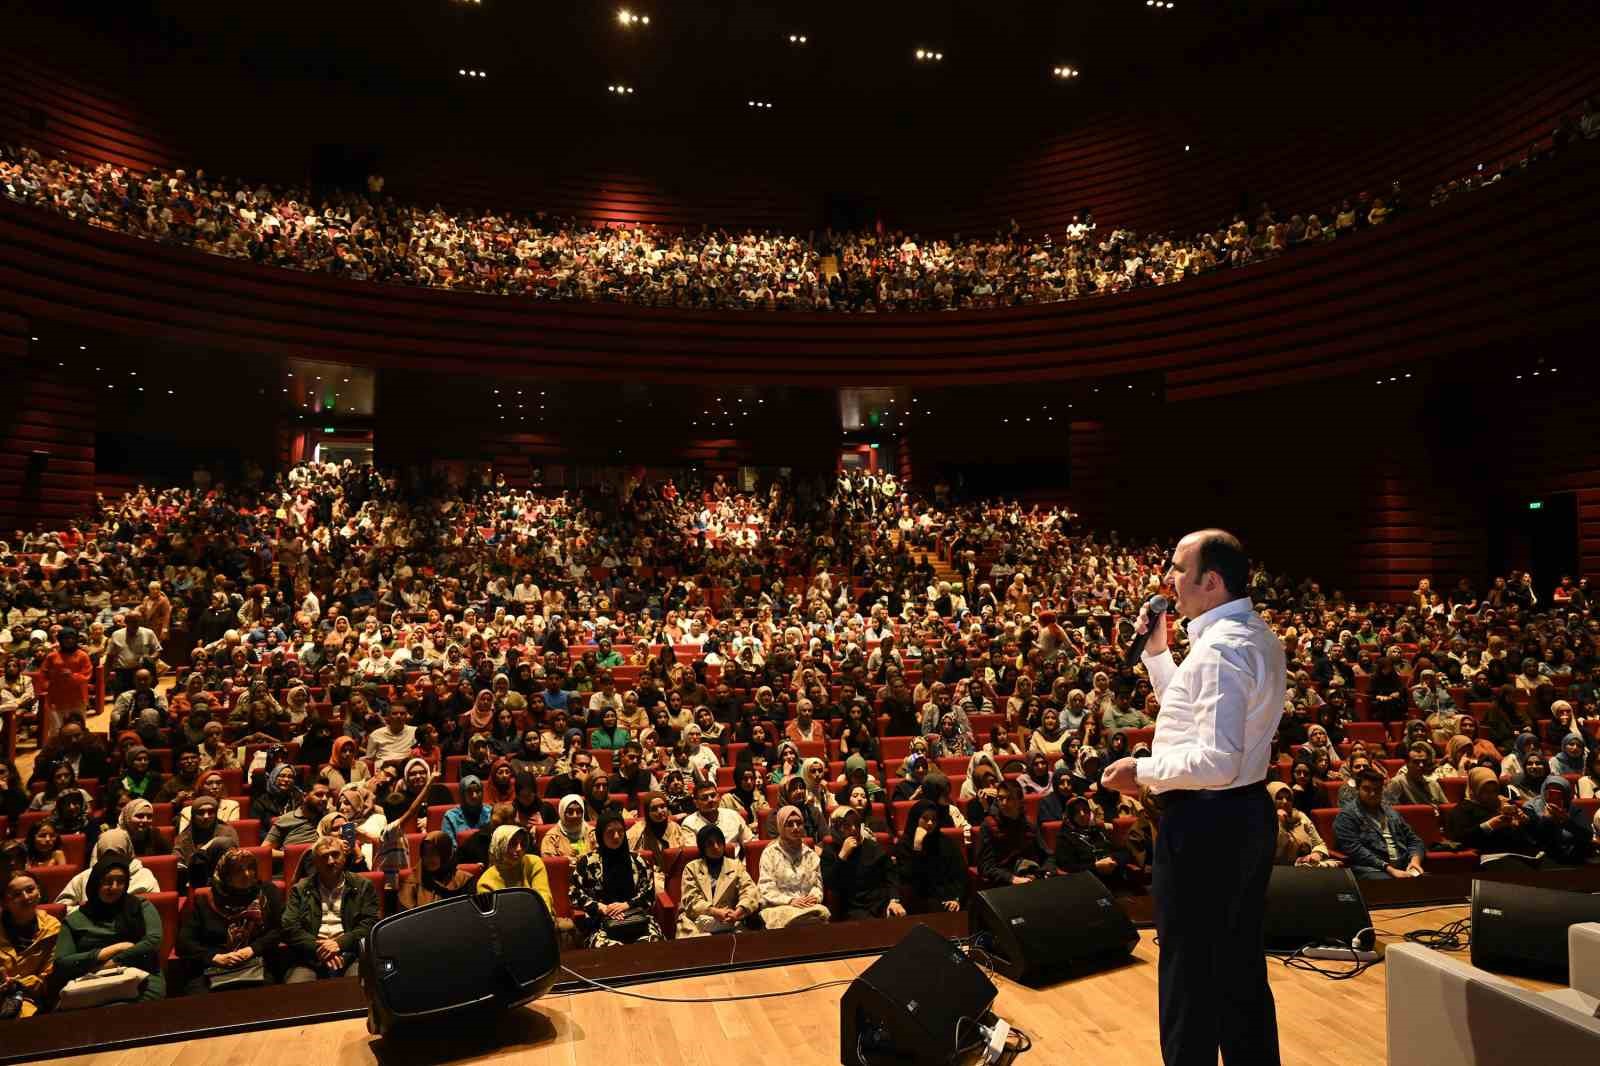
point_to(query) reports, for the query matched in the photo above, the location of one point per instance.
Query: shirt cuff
(1142, 768)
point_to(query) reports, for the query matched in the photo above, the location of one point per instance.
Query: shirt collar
(1232, 609)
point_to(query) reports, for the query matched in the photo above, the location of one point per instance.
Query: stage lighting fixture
(619, 89)
(1066, 72)
(628, 18)
(797, 38)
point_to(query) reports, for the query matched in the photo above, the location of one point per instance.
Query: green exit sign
(1535, 505)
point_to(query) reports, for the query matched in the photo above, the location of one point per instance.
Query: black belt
(1168, 799)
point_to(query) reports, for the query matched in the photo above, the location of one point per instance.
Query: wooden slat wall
(50, 410)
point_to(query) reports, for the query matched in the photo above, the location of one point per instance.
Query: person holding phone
(1565, 837)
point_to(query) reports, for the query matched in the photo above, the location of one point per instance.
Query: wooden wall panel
(47, 443)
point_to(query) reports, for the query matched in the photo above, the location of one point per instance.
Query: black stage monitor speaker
(471, 953)
(1314, 905)
(907, 1007)
(1054, 927)
(1520, 929)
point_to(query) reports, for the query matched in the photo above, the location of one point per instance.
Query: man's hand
(1119, 776)
(895, 909)
(952, 905)
(1021, 880)
(328, 951)
(848, 847)
(1158, 634)
(1105, 865)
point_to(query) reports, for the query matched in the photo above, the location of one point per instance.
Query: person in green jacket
(113, 928)
(327, 916)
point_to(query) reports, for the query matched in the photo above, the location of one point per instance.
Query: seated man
(1415, 782)
(1376, 840)
(299, 825)
(708, 810)
(327, 916)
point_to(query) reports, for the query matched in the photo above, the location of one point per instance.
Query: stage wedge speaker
(1523, 930)
(458, 956)
(907, 1007)
(1053, 928)
(1314, 905)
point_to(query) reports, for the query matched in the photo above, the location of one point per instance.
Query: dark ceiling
(699, 60)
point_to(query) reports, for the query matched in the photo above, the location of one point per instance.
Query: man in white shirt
(394, 739)
(1214, 846)
(735, 830)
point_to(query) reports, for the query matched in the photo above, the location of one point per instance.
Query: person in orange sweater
(66, 673)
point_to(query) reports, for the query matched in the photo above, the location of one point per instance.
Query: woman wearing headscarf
(1487, 822)
(981, 788)
(278, 794)
(747, 798)
(240, 920)
(1513, 763)
(437, 877)
(471, 813)
(138, 820)
(1572, 757)
(1299, 843)
(1565, 837)
(1009, 852)
(855, 868)
(512, 866)
(1530, 782)
(113, 927)
(1050, 737)
(930, 872)
(718, 893)
(344, 768)
(791, 875)
(211, 783)
(572, 836)
(357, 806)
(614, 889)
(1589, 783)
(139, 777)
(814, 772)
(655, 834)
(480, 719)
(1317, 740)
(1480, 745)
(1053, 808)
(786, 765)
(1037, 780)
(501, 784)
(28, 937)
(202, 831)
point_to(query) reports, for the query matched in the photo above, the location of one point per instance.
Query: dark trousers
(1213, 858)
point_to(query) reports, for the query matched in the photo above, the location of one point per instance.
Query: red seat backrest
(1423, 819)
(52, 879)
(248, 831)
(75, 846)
(293, 855)
(559, 871)
(1455, 788)
(1323, 818)
(166, 905)
(436, 813)
(752, 857)
(165, 870)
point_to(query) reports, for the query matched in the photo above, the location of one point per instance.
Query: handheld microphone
(1158, 606)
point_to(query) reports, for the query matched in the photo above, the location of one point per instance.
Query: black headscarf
(617, 862)
(126, 916)
(709, 833)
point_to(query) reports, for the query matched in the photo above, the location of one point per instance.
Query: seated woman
(791, 875)
(113, 927)
(982, 788)
(211, 783)
(1512, 765)
(1053, 808)
(44, 845)
(438, 877)
(202, 833)
(28, 939)
(718, 894)
(1008, 847)
(573, 837)
(1299, 843)
(1565, 837)
(1573, 756)
(511, 866)
(112, 844)
(855, 868)
(226, 931)
(1082, 843)
(655, 834)
(1037, 780)
(747, 798)
(1529, 784)
(1487, 822)
(138, 820)
(614, 889)
(929, 872)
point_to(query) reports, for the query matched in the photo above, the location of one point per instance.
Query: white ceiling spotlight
(621, 90)
(628, 18)
(928, 55)
(797, 38)
(473, 73)
(1066, 72)
(759, 104)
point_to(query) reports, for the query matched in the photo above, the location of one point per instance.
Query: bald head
(1209, 568)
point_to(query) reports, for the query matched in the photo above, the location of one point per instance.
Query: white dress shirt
(1219, 709)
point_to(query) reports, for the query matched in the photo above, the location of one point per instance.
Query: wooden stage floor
(1106, 1018)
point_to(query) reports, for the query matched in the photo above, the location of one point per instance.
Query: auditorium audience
(368, 236)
